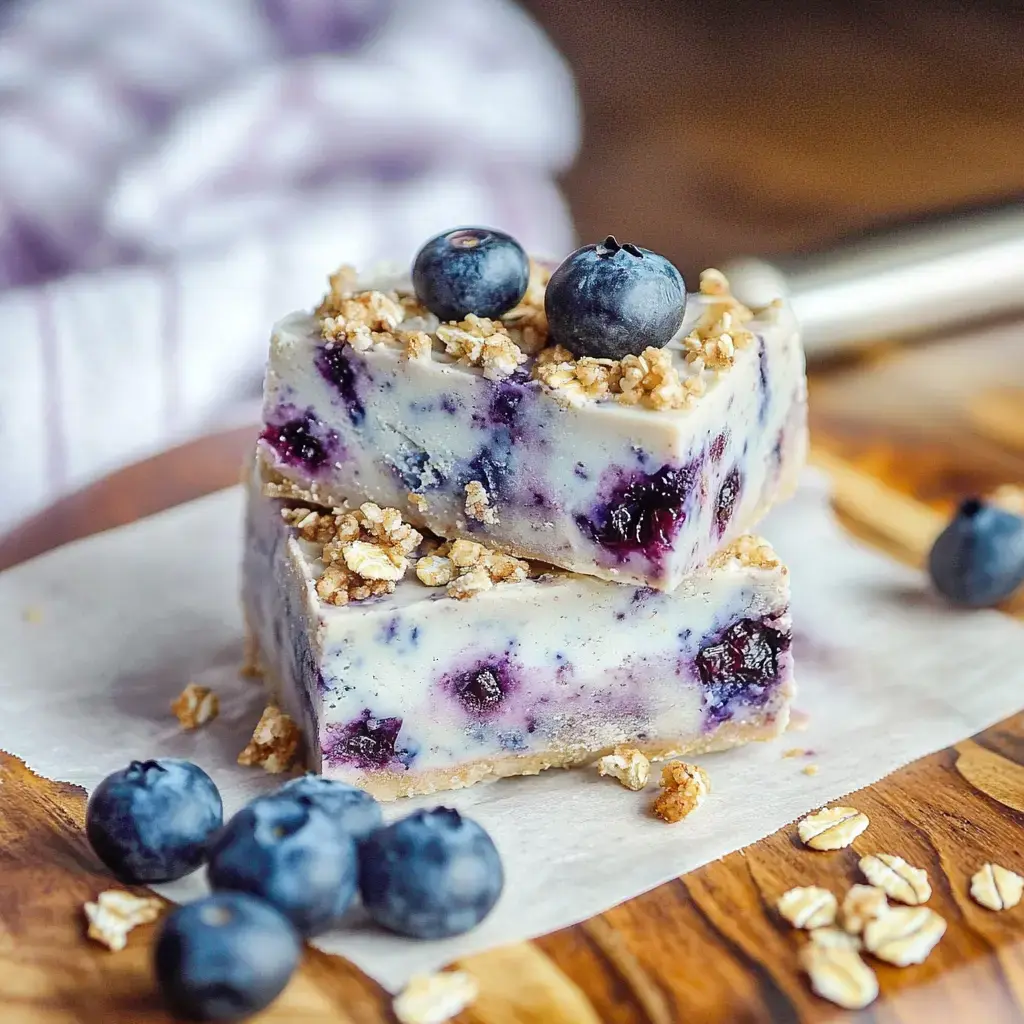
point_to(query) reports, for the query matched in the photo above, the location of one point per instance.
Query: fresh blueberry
(978, 560)
(470, 270)
(431, 875)
(287, 851)
(150, 822)
(224, 957)
(353, 809)
(610, 300)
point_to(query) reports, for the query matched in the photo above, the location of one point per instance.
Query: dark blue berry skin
(609, 301)
(224, 957)
(978, 560)
(353, 809)
(287, 851)
(431, 875)
(150, 822)
(470, 270)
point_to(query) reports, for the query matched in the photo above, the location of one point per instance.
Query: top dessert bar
(634, 470)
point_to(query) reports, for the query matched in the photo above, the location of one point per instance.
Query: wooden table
(700, 143)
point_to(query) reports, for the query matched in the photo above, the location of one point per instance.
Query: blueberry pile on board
(287, 866)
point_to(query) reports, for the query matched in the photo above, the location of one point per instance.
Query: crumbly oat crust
(115, 913)
(628, 765)
(195, 706)
(895, 877)
(808, 906)
(862, 904)
(275, 742)
(684, 788)
(435, 998)
(996, 887)
(832, 828)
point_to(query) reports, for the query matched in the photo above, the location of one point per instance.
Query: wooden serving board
(706, 947)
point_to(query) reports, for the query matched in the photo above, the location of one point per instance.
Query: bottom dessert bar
(417, 691)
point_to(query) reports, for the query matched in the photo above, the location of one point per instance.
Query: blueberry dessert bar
(415, 666)
(595, 418)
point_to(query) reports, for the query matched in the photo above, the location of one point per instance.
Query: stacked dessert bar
(498, 516)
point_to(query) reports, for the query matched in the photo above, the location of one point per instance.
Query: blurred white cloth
(177, 174)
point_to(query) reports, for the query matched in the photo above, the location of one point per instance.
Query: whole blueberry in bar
(468, 664)
(615, 435)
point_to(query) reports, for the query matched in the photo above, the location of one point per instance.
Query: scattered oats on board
(839, 975)
(435, 998)
(862, 903)
(894, 876)
(195, 706)
(904, 935)
(115, 913)
(996, 888)
(684, 788)
(808, 907)
(834, 938)
(628, 765)
(274, 743)
(831, 828)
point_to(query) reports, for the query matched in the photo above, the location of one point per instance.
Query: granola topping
(528, 322)
(996, 887)
(684, 788)
(115, 913)
(630, 766)
(477, 341)
(195, 706)
(467, 568)
(275, 742)
(365, 551)
(832, 828)
(895, 877)
(748, 551)
(719, 332)
(808, 907)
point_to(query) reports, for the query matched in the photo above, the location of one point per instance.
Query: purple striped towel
(175, 175)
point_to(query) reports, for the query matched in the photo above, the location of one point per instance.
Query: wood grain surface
(711, 129)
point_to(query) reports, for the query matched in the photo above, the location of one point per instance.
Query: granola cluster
(195, 706)
(365, 319)
(467, 568)
(749, 551)
(719, 332)
(684, 789)
(650, 379)
(115, 913)
(275, 742)
(478, 504)
(478, 341)
(365, 550)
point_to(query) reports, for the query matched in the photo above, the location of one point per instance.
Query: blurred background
(177, 174)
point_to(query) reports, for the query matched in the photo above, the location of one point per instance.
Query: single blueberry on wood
(224, 957)
(609, 301)
(150, 822)
(431, 875)
(978, 559)
(287, 851)
(470, 270)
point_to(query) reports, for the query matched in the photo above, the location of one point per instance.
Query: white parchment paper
(98, 637)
